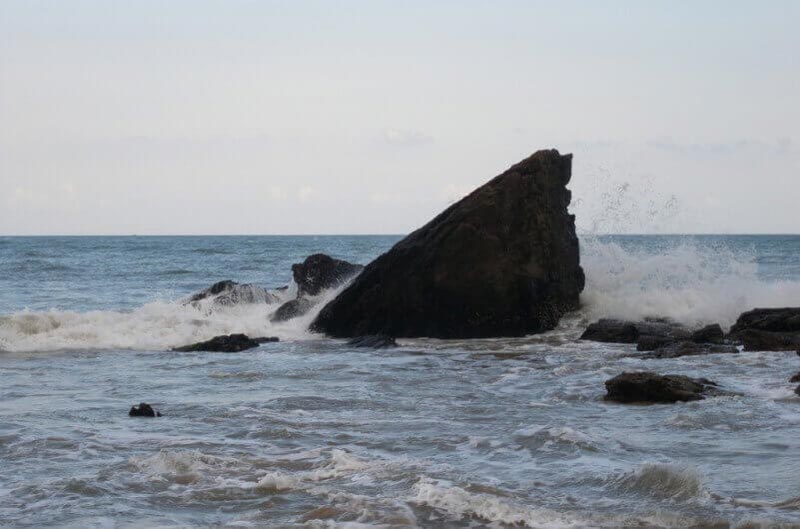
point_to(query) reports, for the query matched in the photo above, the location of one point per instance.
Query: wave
(684, 281)
(155, 326)
(663, 481)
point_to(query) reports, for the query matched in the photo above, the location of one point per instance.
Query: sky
(259, 117)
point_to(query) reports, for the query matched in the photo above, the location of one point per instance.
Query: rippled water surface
(310, 432)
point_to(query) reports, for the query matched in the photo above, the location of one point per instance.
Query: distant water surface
(309, 432)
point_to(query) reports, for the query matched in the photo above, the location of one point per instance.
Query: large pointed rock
(503, 261)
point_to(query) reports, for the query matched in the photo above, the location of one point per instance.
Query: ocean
(310, 432)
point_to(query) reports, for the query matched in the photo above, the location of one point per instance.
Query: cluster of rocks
(773, 329)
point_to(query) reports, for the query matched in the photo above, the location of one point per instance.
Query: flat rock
(373, 341)
(649, 387)
(224, 343)
(229, 292)
(143, 410)
(680, 349)
(503, 261)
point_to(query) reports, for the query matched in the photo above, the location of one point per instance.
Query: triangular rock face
(503, 261)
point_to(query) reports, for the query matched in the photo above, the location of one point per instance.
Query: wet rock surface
(292, 309)
(774, 329)
(224, 343)
(503, 261)
(320, 272)
(143, 410)
(680, 349)
(373, 341)
(649, 387)
(663, 337)
(229, 292)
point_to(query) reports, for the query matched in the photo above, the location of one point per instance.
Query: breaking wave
(684, 281)
(663, 481)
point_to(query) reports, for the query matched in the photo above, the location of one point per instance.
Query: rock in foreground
(648, 387)
(223, 343)
(503, 261)
(143, 410)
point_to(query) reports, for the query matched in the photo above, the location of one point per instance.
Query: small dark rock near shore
(143, 410)
(373, 341)
(663, 337)
(223, 343)
(649, 387)
(319, 272)
(229, 292)
(503, 261)
(680, 349)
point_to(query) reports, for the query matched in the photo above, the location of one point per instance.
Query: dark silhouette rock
(680, 349)
(320, 272)
(611, 330)
(228, 292)
(223, 343)
(774, 329)
(712, 334)
(648, 387)
(143, 410)
(263, 340)
(797, 390)
(373, 341)
(795, 378)
(503, 261)
(292, 309)
(758, 340)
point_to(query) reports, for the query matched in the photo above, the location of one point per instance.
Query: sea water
(310, 432)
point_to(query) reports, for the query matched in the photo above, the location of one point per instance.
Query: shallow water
(309, 432)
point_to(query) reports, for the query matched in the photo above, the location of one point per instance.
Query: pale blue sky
(370, 117)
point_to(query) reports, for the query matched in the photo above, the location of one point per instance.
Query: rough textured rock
(228, 292)
(320, 272)
(775, 329)
(712, 334)
(373, 341)
(648, 334)
(223, 343)
(144, 410)
(680, 349)
(503, 261)
(758, 340)
(610, 330)
(291, 309)
(648, 387)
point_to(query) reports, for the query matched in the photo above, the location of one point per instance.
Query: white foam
(153, 326)
(686, 282)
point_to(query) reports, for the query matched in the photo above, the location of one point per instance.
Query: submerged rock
(320, 272)
(224, 343)
(649, 387)
(229, 292)
(373, 341)
(144, 410)
(503, 261)
(775, 329)
(292, 309)
(679, 349)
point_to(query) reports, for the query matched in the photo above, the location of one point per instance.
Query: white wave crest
(686, 282)
(153, 326)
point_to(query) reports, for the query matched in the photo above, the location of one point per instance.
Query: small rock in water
(795, 378)
(224, 343)
(373, 341)
(143, 410)
(610, 330)
(262, 340)
(679, 349)
(648, 387)
(712, 333)
(291, 309)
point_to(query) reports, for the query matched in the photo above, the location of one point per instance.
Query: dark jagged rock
(758, 340)
(610, 330)
(263, 340)
(229, 292)
(776, 329)
(291, 309)
(144, 410)
(224, 343)
(648, 387)
(680, 349)
(712, 334)
(320, 272)
(373, 341)
(503, 261)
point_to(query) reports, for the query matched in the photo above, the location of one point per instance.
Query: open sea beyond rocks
(311, 432)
